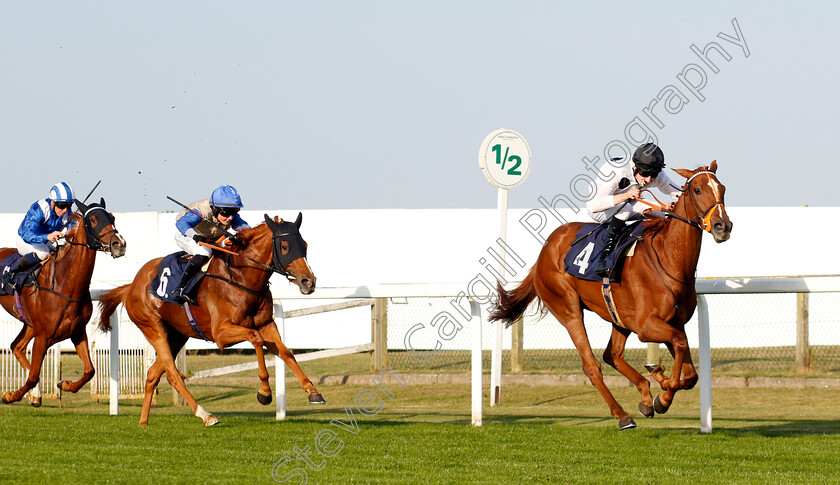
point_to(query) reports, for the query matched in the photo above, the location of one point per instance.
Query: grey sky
(321, 105)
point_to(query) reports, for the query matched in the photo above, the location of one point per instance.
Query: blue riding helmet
(62, 192)
(225, 196)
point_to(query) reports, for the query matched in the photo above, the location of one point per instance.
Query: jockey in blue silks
(206, 219)
(43, 225)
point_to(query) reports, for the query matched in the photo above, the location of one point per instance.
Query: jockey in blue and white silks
(46, 221)
(206, 219)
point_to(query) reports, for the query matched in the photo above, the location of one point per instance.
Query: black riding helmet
(649, 159)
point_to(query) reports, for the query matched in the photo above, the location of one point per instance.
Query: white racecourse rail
(813, 284)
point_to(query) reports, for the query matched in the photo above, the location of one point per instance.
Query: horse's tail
(512, 304)
(108, 303)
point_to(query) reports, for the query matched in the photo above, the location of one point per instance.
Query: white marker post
(505, 160)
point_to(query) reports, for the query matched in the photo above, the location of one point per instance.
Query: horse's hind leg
(573, 321)
(276, 346)
(39, 349)
(156, 335)
(614, 356)
(80, 340)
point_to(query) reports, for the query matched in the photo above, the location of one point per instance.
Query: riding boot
(22, 264)
(613, 232)
(192, 269)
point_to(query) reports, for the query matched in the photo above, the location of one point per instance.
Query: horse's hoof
(7, 398)
(316, 398)
(61, 385)
(654, 368)
(263, 399)
(626, 423)
(211, 420)
(659, 407)
(35, 402)
(646, 411)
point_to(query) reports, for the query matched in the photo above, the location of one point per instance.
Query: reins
(704, 224)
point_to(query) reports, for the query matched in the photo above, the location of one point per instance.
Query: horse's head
(100, 232)
(290, 253)
(703, 197)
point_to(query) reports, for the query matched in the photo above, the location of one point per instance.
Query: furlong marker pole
(114, 364)
(498, 335)
(705, 356)
(477, 374)
(279, 365)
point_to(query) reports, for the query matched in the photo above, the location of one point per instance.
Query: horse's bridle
(703, 217)
(706, 216)
(94, 234)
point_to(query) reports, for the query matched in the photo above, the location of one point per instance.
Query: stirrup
(10, 282)
(181, 297)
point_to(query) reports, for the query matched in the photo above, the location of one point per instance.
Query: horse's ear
(713, 166)
(683, 172)
(299, 220)
(82, 208)
(102, 202)
(270, 223)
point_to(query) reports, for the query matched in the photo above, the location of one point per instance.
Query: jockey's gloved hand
(237, 239)
(199, 238)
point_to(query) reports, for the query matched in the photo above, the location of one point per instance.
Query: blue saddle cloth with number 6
(169, 273)
(582, 258)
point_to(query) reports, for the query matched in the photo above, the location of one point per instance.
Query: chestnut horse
(234, 305)
(59, 305)
(655, 298)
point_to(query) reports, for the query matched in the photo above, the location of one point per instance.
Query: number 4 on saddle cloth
(169, 274)
(26, 277)
(581, 260)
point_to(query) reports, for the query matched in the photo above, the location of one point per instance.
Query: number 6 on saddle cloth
(169, 274)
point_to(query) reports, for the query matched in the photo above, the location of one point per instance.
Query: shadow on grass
(805, 427)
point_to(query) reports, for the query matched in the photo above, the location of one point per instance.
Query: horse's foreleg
(80, 340)
(19, 345)
(656, 330)
(18, 348)
(614, 356)
(276, 346)
(39, 349)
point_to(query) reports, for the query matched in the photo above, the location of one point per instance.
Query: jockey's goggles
(648, 173)
(228, 211)
(63, 205)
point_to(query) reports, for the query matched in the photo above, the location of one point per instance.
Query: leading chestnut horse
(655, 298)
(59, 305)
(234, 305)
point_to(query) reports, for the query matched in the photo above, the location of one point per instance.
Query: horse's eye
(696, 191)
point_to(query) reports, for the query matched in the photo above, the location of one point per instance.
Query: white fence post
(475, 311)
(279, 365)
(114, 354)
(705, 356)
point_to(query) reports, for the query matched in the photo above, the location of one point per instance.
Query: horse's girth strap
(608, 299)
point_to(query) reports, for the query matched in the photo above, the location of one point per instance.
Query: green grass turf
(422, 435)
